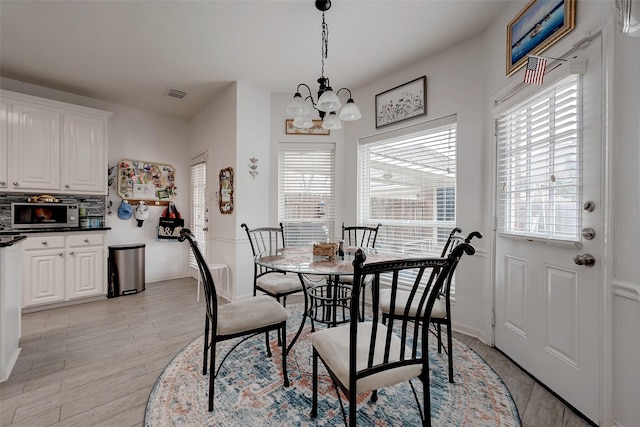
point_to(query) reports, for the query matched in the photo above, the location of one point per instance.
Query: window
(198, 210)
(539, 165)
(407, 182)
(306, 192)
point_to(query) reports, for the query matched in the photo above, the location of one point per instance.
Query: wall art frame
(225, 198)
(536, 28)
(316, 129)
(403, 102)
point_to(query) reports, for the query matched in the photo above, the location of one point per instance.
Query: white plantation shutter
(198, 209)
(407, 182)
(539, 165)
(306, 192)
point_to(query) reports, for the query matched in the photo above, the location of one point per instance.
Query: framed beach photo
(538, 26)
(402, 102)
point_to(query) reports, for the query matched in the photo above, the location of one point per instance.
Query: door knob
(205, 228)
(586, 259)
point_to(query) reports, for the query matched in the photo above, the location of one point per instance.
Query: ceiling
(130, 52)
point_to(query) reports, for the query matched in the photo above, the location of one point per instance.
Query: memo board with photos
(150, 182)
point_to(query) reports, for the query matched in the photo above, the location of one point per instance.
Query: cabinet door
(84, 167)
(34, 147)
(4, 145)
(85, 272)
(43, 276)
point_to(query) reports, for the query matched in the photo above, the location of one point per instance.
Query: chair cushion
(279, 283)
(332, 345)
(248, 314)
(439, 310)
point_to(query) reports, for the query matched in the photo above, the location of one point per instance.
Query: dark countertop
(50, 230)
(10, 240)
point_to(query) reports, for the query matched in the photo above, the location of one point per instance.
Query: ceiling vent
(175, 93)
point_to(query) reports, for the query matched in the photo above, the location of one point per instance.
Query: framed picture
(316, 129)
(402, 102)
(226, 191)
(538, 26)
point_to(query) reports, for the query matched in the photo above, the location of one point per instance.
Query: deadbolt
(588, 233)
(586, 259)
(589, 206)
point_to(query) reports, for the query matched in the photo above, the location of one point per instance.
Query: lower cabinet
(63, 267)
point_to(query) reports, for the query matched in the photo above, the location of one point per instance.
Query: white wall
(138, 135)
(454, 86)
(626, 231)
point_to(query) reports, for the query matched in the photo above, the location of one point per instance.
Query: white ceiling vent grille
(175, 93)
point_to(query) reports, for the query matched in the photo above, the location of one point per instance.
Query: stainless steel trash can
(126, 269)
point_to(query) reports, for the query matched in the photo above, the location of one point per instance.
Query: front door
(550, 231)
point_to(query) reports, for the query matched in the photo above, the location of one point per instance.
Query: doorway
(549, 237)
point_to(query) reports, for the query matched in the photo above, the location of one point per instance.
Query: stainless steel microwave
(44, 215)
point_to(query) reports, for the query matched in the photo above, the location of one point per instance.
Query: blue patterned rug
(249, 390)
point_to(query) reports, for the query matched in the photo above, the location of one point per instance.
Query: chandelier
(328, 103)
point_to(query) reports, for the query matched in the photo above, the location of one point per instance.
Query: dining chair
(441, 313)
(358, 236)
(245, 318)
(274, 283)
(366, 356)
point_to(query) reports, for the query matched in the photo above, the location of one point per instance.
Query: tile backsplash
(96, 205)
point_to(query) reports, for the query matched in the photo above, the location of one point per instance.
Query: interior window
(539, 165)
(407, 183)
(306, 192)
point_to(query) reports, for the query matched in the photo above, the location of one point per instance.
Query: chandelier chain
(325, 43)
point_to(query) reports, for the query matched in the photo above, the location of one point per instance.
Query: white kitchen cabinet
(85, 266)
(4, 145)
(43, 270)
(84, 158)
(53, 147)
(58, 268)
(34, 147)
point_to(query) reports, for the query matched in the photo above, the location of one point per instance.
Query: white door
(548, 307)
(199, 212)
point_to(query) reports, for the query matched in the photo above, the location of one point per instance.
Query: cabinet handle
(44, 242)
(66, 186)
(70, 252)
(15, 183)
(3, 183)
(60, 253)
(86, 240)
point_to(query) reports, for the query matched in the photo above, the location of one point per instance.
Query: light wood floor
(94, 364)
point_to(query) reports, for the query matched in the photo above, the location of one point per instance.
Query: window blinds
(539, 165)
(306, 192)
(198, 210)
(408, 184)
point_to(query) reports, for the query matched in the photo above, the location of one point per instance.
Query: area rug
(249, 390)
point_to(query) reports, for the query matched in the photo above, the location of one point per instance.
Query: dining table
(326, 299)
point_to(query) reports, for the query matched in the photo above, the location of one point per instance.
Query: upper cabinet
(53, 147)
(4, 145)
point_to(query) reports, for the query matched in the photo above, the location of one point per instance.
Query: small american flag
(535, 70)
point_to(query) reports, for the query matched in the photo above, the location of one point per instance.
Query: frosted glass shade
(297, 106)
(303, 122)
(350, 111)
(331, 122)
(329, 101)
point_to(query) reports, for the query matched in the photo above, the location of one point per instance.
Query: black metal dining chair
(368, 356)
(245, 318)
(441, 313)
(358, 236)
(276, 284)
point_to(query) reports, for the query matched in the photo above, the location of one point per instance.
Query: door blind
(306, 193)
(408, 184)
(198, 210)
(538, 161)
